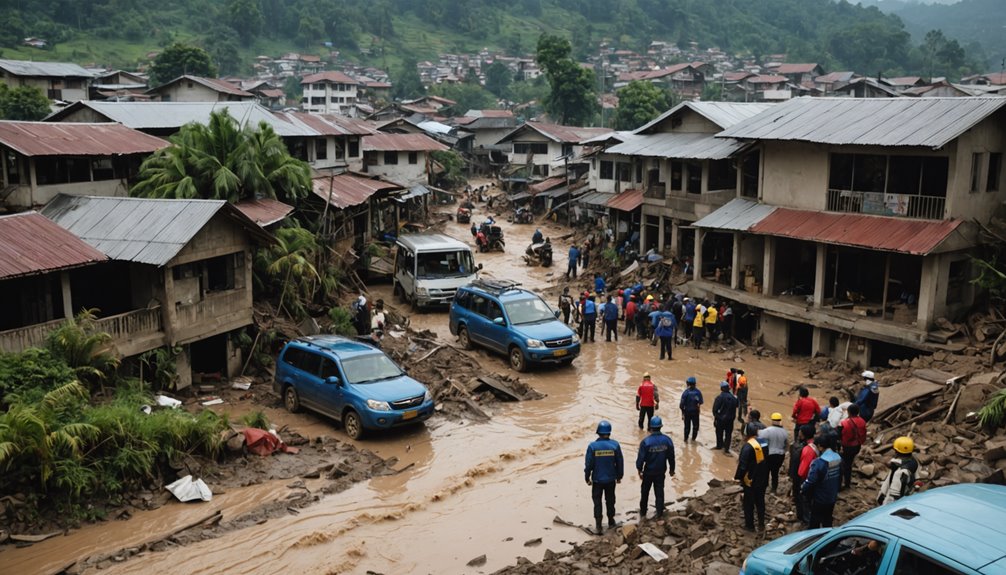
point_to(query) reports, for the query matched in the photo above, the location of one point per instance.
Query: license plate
(559, 352)
(410, 414)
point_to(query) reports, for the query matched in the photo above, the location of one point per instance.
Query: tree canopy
(222, 161)
(572, 99)
(179, 60)
(406, 82)
(23, 103)
(638, 103)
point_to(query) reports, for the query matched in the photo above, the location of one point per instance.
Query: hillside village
(842, 215)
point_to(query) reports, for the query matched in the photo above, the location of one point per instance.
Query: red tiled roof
(736, 76)
(349, 189)
(331, 76)
(996, 78)
(214, 84)
(918, 237)
(767, 79)
(31, 243)
(795, 68)
(627, 200)
(76, 139)
(272, 93)
(382, 142)
(265, 211)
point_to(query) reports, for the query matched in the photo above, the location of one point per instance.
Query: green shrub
(31, 374)
(256, 419)
(342, 321)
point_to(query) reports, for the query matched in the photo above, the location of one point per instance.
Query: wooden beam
(887, 279)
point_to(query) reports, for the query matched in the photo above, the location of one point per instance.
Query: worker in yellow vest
(711, 323)
(698, 329)
(752, 473)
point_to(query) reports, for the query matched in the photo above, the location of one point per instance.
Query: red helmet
(621, 292)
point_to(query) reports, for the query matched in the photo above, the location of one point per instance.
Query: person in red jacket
(853, 437)
(806, 410)
(647, 400)
(630, 315)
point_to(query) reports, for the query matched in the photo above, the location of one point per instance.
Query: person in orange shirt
(647, 400)
(806, 411)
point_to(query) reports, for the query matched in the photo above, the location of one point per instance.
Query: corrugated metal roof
(547, 184)
(174, 115)
(795, 68)
(138, 229)
(47, 139)
(918, 237)
(348, 189)
(382, 142)
(32, 244)
(264, 211)
(723, 114)
(222, 86)
(50, 69)
(738, 215)
(558, 133)
(627, 200)
(595, 198)
(678, 145)
(415, 192)
(929, 122)
(327, 124)
(331, 76)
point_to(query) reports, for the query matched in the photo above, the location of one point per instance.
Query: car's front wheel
(463, 340)
(352, 424)
(291, 399)
(517, 360)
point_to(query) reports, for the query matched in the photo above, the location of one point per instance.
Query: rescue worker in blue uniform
(589, 318)
(752, 473)
(823, 482)
(691, 401)
(656, 455)
(603, 468)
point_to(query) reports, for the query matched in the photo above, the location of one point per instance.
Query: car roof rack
(496, 286)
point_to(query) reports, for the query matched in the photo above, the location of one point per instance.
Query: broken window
(976, 171)
(320, 149)
(677, 170)
(722, 175)
(624, 172)
(13, 168)
(995, 169)
(607, 170)
(957, 281)
(390, 158)
(413, 158)
(536, 148)
(102, 169)
(694, 178)
(354, 147)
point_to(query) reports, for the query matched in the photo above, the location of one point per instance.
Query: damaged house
(861, 234)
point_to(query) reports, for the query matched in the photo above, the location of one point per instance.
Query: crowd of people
(822, 453)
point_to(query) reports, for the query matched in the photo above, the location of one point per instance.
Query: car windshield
(369, 368)
(457, 263)
(530, 310)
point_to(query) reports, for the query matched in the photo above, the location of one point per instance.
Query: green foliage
(29, 375)
(453, 175)
(246, 19)
(81, 345)
(610, 255)
(222, 161)
(498, 79)
(993, 414)
(287, 267)
(256, 419)
(638, 103)
(990, 277)
(223, 48)
(179, 60)
(466, 97)
(26, 103)
(572, 100)
(941, 56)
(342, 321)
(405, 82)
(160, 367)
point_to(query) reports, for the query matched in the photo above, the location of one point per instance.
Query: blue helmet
(656, 422)
(604, 428)
(690, 381)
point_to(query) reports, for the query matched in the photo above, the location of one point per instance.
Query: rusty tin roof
(32, 244)
(76, 139)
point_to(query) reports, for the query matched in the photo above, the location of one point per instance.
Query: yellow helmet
(904, 445)
(777, 416)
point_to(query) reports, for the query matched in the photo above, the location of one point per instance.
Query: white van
(429, 268)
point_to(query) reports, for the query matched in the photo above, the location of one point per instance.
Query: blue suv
(501, 316)
(953, 530)
(350, 381)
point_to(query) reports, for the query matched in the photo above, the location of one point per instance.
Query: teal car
(953, 530)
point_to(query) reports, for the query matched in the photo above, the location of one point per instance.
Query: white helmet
(869, 375)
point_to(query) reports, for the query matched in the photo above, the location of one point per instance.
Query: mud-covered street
(464, 489)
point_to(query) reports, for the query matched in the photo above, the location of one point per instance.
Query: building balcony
(656, 191)
(132, 332)
(882, 204)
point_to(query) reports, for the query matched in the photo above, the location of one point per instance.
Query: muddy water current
(467, 489)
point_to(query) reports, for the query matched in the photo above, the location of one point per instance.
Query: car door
(302, 365)
(911, 559)
(478, 322)
(497, 334)
(849, 551)
(331, 395)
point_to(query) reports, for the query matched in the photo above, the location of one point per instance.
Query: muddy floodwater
(467, 489)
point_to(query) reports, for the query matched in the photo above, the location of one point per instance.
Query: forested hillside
(838, 35)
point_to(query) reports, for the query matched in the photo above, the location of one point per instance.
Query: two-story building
(199, 89)
(41, 160)
(328, 93)
(861, 234)
(401, 158)
(544, 150)
(179, 273)
(59, 81)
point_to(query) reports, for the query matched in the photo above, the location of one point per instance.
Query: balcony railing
(657, 191)
(122, 327)
(881, 204)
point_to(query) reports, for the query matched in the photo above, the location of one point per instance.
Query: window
(607, 170)
(957, 281)
(995, 171)
(220, 273)
(339, 152)
(639, 172)
(463, 299)
(354, 147)
(853, 554)
(677, 175)
(328, 369)
(976, 171)
(911, 562)
(536, 148)
(722, 175)
(624, 172)
(390, 158)
(413, 158)
(321, 149)
(694, 178)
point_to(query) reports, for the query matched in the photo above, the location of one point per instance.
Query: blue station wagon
(350, 381)
(953, 530)
(503, 317)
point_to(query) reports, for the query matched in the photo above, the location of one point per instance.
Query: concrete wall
(774, 332)
(594, 180)
(78, 92)
(794, 175)
(23, 197)
(989, 136)
(691, 122)
(403, 172)
(489, 137)
(182, 92)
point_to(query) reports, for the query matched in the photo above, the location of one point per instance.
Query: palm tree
(86, 349)
(222, 161)
(290, 258)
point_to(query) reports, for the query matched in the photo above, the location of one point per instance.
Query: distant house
(800, 74)
(828, 83)
(266, 94)
(119, 85)
(489, 127)
(334, 140)
(59, 81)
(866, 88)
(361, 206)
(687, 78)
(990, 79)
(328, 93)
(545, 148)
(199, 89)
(41, 160)
(402, 158)
(180, 274)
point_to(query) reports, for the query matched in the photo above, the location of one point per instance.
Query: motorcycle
(464, 215)
(539, 254)
(490, 238)
(523, 216)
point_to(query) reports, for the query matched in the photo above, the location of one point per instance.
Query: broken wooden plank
(903, 392)
(476, 409)
(431, 352)
(935, 376)
(499, 386)
(34, 538)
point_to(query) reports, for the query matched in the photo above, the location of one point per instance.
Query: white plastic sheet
(188, 489)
